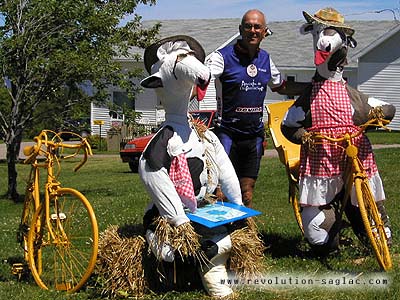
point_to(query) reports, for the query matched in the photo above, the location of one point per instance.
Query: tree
(49, 49)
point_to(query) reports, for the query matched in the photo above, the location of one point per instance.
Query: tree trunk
(13, 144)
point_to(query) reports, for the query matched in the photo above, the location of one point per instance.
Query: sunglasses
(257, 27)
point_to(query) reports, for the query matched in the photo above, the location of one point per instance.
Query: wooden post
(99, 122)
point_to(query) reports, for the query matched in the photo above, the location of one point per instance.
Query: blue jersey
(244, 86)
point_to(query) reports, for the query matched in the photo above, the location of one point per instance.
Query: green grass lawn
(384, 137)
(119, 198)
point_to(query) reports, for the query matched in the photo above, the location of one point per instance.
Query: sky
(275, 10)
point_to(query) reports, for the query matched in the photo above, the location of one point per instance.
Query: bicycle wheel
(26, 220)
(373, 223)
(66, 244)
(22, 268)
(294, 200)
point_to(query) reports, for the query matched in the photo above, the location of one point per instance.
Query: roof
(287, 47)
(210, 33)
(391, 32)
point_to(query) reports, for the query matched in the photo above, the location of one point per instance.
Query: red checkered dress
(180, 176)
(331, 114)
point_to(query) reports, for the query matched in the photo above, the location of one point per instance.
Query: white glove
(165, 252)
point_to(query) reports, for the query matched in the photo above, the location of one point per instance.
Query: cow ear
(306, 28)
(152, 82)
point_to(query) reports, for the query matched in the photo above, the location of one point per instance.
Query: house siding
(382, 81)
(100, 114)
(209, 102)
(386, 52)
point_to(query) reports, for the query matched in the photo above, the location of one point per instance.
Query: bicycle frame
(52, 183)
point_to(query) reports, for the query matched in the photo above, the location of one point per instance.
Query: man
(242, 73)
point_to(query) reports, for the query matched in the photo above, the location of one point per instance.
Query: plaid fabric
(331, 115)
(182, 179)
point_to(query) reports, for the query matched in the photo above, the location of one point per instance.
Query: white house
(373, 66)
(378, 71)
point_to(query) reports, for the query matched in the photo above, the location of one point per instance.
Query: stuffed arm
(297, 118)
(283, 87)
(291, 88)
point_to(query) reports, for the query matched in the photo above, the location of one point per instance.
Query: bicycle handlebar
(87, 152)
(375, 122)
(55, 143)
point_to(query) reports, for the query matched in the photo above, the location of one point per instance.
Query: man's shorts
(244, 152)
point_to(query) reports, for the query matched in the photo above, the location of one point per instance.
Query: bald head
(253, 29)
(254, 13)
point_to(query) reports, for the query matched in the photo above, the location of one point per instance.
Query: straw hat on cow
(150, 54)
(330, 17)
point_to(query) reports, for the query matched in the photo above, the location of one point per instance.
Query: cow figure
(329, 105)
(183, 163)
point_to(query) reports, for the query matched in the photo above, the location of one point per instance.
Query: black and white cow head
(331, 40)
(177, 69)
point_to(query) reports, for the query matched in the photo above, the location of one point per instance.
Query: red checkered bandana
(180, 176)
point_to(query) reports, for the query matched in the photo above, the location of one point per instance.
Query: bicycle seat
(289, 153)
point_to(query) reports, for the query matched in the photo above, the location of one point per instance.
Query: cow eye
(181, 56)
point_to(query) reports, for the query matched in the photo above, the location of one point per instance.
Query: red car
(134, 148)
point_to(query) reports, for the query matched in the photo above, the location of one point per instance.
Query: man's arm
(283, 87)
(291, 88)
(215, 62)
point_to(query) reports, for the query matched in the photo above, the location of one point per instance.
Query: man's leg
(247, 185)
(250, 152)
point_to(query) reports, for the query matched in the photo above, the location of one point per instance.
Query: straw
(247, 254)
(183, 239)
(119, 264)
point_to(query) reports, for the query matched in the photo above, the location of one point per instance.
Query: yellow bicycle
(58, 229)
(356, 177)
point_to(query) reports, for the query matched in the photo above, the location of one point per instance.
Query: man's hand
(292, 88)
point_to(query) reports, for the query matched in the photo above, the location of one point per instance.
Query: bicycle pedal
(19, 269)
(60, 216)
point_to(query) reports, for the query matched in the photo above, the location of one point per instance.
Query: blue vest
(244, 86)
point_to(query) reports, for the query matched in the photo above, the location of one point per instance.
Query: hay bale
(125, 264)
(119, 263)
(247, 254)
